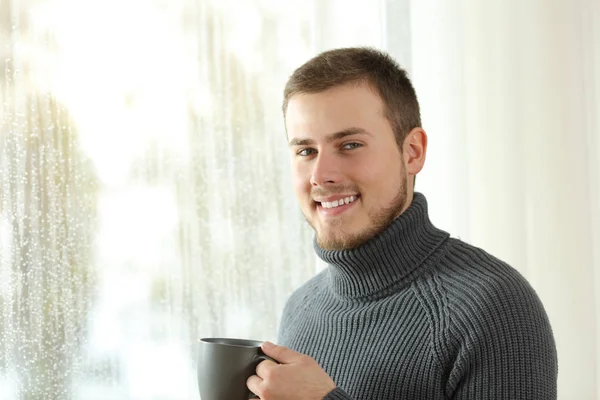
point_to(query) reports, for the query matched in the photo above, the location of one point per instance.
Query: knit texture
(414, 314)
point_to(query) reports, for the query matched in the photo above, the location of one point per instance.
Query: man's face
(348, 172)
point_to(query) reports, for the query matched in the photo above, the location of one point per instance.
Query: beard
(379, 220)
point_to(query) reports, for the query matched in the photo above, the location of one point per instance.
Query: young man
(403, 311)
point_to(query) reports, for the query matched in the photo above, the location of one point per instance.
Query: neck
(386, 259)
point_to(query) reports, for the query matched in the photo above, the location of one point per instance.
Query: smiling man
(403, 310)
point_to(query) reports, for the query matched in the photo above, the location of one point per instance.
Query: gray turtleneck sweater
(414, 314)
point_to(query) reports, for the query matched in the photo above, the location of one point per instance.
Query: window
(145, 198)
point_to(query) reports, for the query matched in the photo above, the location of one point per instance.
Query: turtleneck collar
(387, 258)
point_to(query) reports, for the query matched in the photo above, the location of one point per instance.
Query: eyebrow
(331, 137)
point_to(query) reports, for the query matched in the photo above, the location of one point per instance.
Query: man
(403, 311)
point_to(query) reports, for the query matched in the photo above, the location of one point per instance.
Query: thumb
(280, 353)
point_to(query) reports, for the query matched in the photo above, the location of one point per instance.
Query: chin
(338, 244)
(341, 242)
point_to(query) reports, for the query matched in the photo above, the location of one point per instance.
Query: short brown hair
(355, 65)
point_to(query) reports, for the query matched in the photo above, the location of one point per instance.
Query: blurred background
(145, 193)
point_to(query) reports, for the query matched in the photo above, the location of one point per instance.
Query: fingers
(280, 353)
(262, 370)
(254, 383)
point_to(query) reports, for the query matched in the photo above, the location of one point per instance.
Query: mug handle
(261, 357)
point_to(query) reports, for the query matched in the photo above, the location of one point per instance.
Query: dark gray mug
(224, 366)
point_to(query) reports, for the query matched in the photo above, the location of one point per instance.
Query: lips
(339, 202)
(337, 206)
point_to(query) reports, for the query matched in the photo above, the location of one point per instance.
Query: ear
(414, 151)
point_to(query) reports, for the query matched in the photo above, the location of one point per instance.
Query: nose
(326, 170)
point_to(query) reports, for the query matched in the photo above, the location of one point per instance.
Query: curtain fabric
(511, 97)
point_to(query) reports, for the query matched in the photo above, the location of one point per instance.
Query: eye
(306, 152)
(351, 145)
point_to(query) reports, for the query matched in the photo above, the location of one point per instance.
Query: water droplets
(45, 246)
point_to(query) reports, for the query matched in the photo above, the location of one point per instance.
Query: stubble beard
(378, 222)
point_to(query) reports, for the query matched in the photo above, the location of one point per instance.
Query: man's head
(353, 125)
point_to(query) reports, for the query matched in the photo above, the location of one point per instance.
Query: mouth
(337, 206)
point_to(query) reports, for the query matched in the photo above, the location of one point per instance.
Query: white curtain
(510, 92)
(145, 195)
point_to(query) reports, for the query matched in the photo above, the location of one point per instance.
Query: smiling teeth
(340, 202)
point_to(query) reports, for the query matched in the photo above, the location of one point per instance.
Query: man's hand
(296, 377)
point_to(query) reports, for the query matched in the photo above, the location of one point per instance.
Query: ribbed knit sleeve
(337, 394)
(499, 338)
